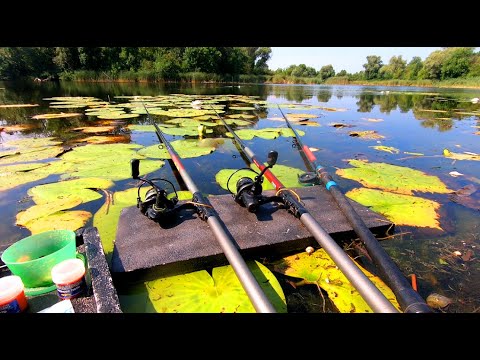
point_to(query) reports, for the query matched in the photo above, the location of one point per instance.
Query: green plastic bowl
(33, 257)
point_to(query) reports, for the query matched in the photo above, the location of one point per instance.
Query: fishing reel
(249, 191)
(156, 206)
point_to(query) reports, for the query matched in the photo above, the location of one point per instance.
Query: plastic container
(12, 295)
(69, 277)
(33, 257)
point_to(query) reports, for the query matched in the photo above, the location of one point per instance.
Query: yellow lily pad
(17, 105)
(98, 139)
(221, 292)
(457, 156)
(32, 155)
(38, 211)
(184, 148)
(400, 209)
(55, 116)
(318, 268)
(95, 129)
(389, 149)
(16, 175)
(367, 134)
(399, 179)
(62, 220)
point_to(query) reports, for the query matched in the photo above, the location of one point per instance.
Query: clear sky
(348, 58)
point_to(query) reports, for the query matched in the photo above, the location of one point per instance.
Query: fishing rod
(410, 301)
(207, 213)
(369, 292)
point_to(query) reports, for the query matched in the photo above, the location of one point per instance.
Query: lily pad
(83, 188)
(234, 122)
(55, 116)
(106, 218)
(241, 108)
(184, 148)
(62, 220)
(457, 156)
(38, 211)
(32, 155)
(15, 128)
(241, 116)
(95, 129)
(318, 268)
(198, 292)
(266, 133)
(114, 116)
(367, 134)
(399, 179)
(16, 175)
(286, 174)
(28, 143)
(400, 209)
(17, 105)
(295, 116)
(112, 139)
(189, 122)
(389, 149)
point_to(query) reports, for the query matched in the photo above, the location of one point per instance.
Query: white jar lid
(68, 271)
(10, 287)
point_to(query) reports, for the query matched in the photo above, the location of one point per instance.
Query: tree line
(448, 63)
(163, 62)
(222, 63)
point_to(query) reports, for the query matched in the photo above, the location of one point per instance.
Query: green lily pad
(198, 292)
(55, 116)
(116, 116)
(318, 268)
(301, 116)
(32, 155)
(400, 209)
(266, 133)
(147, 128)
(190, 122)
(235, 122)
(182, 195)
(89, 152)
(62, 220)
(286, 174)
(110, 139)
(399, 179)
(28, 143)
(95, 129)
(106, 218)
(183, 131)
(16, 175)
(241, 116)
(184, 148)
(38, 211)
(43, 194)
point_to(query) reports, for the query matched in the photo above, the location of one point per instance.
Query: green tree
(372, 67)
(432, 67)
(326, 72)
(257, 58)
(395, 68)
(204, 59)
(456, 63)
(342, 73)
(66, 58)
(413, 68)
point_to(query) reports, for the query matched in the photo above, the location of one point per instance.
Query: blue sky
(348, 58)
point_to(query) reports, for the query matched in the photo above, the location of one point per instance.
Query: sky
(347, 58)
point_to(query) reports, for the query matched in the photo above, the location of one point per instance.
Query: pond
(432, 130)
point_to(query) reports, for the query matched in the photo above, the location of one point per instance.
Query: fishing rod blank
(410, 301)
(207, 213)
(370, 293)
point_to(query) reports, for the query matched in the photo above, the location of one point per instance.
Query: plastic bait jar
(69, 278)
(12, 295)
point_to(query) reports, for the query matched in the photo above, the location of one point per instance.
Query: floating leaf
(94, 152)
(222, 292)
(62, 220)
(105, 139)
(413, 153)
(184, 148)
(457, 156)
(17, 105)
(28, 143)
(106, 218)
(286, 174)
(182, 195)
(14, 128)
(38, 211)
(95, 129)
(55, 116)
(239, 116)
(389, 149)
(301, 116)
(318, 268)
(43, 194)
(234, 122)
(341, 125)
(266, 133)
(189, 122)
(241, 108)
(393, 178)
(368, 134)
(400, 209)
(114, 116)
(33, 155)
(333, 109)
(16, 175)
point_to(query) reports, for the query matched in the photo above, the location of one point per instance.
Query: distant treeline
(134, 63)
(450, 66)
(444, 65)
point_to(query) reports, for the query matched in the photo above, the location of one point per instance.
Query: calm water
(405, 127)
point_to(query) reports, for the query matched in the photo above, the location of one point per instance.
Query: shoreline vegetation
(451, 67)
